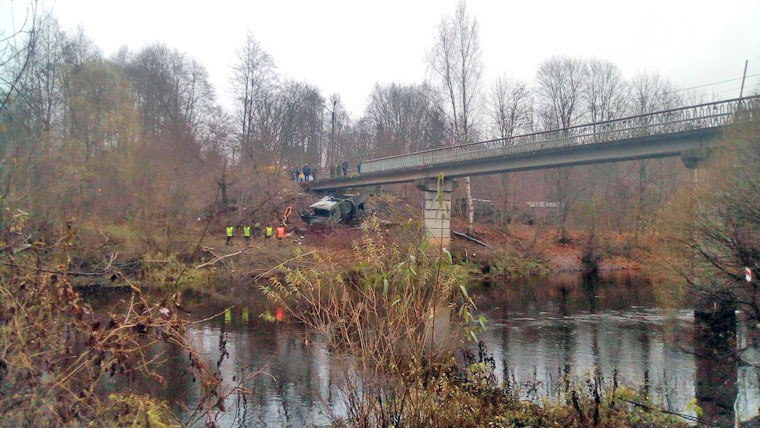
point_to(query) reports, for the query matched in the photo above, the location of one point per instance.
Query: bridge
(690, 132)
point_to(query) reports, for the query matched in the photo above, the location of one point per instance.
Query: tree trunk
(641, 200)
(470, 210)
(223, 185)
(505, 198)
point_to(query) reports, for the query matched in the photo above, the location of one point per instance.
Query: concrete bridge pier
(436, 209)
(692, 159)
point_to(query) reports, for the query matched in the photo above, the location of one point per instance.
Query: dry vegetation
(399, 315)
(124, 169)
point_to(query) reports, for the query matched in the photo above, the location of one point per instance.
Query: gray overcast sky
(347, 46)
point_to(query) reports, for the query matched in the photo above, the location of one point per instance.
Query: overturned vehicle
(332, 210)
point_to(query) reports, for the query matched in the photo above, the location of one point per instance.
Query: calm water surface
(537, 330)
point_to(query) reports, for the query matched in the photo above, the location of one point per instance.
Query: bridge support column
(692, 159)
(436, 210)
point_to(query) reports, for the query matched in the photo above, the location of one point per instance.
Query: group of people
(267, 233)
(306, 174)
(310, 174)
(339, 170)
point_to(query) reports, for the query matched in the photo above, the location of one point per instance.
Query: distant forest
(140, 136)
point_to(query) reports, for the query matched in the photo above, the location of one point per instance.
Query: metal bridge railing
(700, 116)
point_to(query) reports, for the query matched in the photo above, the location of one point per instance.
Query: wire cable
(709, 84)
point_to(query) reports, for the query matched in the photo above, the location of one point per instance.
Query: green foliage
(693, 407)
(504, 262)
(135, 411)
(161, 270)
(512, 266)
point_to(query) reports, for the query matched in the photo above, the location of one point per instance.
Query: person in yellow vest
(247, 234)
(280, 234)
(268, 232)
(230, 231)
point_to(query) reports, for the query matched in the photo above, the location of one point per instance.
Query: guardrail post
(436, 210)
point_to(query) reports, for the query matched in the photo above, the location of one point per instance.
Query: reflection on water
(538, 330)
(300, 380)
(542, 329)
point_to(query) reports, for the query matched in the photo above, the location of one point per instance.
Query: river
(539, 330)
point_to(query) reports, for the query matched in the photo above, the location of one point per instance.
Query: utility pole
(741, 90)
(332, 130)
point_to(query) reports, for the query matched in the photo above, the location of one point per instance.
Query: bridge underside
(692, 146)
(685, 143)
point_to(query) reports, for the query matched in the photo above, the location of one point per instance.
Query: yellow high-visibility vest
(229, 231)
(269, 230)
(246, 230)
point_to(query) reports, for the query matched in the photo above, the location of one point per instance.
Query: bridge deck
(659, 134)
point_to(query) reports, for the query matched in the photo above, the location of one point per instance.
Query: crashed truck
(331, 210)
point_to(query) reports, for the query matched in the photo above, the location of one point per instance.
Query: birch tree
(253, 75)
(456, 61)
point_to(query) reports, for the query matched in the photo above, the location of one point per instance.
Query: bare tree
(16, 52)
(360, 139)
(252, 79)
(40, 91)
(509, 111)
(338, 148)
(301, 123)
(604, 99)
(561, 82)
(456, 61)
(509, 108)
(648, 93)
(605, 91)
(406, 118)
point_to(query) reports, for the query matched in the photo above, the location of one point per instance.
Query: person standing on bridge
(359, 168)
(345, 168)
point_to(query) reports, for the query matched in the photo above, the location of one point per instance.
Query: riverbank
(510, 251)
(203, 260)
